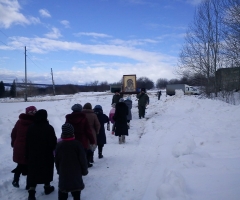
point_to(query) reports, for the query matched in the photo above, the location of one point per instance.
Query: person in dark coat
(18, 143)
(82, 130)
(159, 94)
(116, 97)
(120, 118)
(128, 102)
(101, 137)
(143, 101)
(40, 144)
(71, 164)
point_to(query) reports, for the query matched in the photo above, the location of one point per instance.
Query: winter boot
(123, 138)
(100, 155)
(91, 154)
(90, 165)
(62, 195)
(31, 195)
(76, 195)
(15, 182)
(120, 140)
(48, 189)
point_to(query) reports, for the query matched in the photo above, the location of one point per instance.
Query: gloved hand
(108, 127)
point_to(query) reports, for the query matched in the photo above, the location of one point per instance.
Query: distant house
(228, 79)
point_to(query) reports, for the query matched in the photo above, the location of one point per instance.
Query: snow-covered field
(186, 148)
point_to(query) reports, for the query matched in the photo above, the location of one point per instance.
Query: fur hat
(87, 106)
(31, 110)
(77, 107)
(67, 131)
(121, 100)
(41, 115)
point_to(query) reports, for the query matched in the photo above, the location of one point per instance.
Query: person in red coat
(18, 143)
(82, 130)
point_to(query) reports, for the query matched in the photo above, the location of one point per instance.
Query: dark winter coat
(143, 99)
(93, 122)
(116, 98)
(18, 137)
(128, 102)
(120, 118)
(159, 94)
(40, 144)
(71, 165)
(102, 118)
(82, 130)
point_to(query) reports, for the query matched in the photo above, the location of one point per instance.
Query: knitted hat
(98, 107)
(121, 100)
(31, 110)
(87, 106)
(77, 107)
(67, 131)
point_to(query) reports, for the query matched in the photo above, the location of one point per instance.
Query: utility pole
(53, 83)
(25, 94)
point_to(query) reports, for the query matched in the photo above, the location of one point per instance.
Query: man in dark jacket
(159, 94)
(40, 144)
(18, 143)
(82, 130)
(116, 97)
(143, 101)
(71, 164)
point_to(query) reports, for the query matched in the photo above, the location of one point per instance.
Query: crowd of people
(36, 148)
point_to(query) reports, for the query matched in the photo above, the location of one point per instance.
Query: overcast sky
(83, 41)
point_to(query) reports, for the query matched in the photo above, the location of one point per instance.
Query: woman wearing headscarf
(101, 137)
(18, 143)
(40, 144)
(120, 118)
(82, 130)
(95, 127)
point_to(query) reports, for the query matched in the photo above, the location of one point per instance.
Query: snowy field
(186, 148)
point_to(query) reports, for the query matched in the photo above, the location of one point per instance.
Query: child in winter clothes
(111, 114)
(71, 164)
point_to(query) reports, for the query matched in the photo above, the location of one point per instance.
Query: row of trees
(212, 42)
(20, 89)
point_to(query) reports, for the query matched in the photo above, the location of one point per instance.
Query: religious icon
(129, 83)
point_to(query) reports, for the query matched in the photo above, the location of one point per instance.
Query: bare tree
(201, 53)
(232, 32)
(161, 83)
(144, 82)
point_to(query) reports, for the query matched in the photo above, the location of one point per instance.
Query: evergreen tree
(2, 89)
(13, 89)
